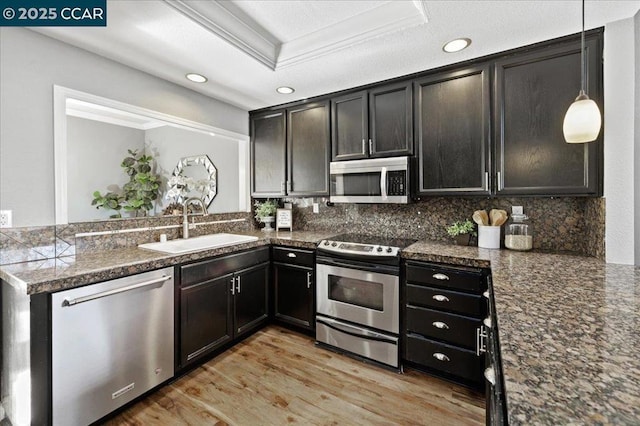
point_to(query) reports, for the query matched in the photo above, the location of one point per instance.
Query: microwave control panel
(397, 182)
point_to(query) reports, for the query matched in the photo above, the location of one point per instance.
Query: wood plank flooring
(278, 377)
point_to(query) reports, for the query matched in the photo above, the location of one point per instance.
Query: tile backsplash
(574, 225)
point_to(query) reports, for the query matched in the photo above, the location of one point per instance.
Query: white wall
(30, 64)
(619, 93)
(94, 153)
(169, 144)
(637, 140)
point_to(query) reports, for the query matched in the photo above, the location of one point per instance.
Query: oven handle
(356, 331)
(382, 269)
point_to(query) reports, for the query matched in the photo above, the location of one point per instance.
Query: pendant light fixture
(583, 120)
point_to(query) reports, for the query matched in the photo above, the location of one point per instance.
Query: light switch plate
(5, 219)
(516, 210)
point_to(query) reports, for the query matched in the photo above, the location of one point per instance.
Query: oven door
(365, 295)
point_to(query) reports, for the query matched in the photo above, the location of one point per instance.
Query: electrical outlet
(5, 219)
(316, 208)
(517, 210)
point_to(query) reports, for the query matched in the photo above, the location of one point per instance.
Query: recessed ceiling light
(196, 78)
(285, 90)
(456, 45)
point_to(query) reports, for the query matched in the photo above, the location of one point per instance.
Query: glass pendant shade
(582, 121)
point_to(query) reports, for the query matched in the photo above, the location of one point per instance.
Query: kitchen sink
(204, 242)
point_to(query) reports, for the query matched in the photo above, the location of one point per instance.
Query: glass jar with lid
(518, 234)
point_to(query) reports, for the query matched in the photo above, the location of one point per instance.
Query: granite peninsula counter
(569, 325)
(569, 333)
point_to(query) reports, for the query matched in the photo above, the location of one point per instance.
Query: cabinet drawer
(218, 266)
(450, 328)
(459, 362)
(464, 279)
(446, 300)
(293, 256)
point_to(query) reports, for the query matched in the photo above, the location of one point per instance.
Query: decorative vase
(462, 239)
(268, 223)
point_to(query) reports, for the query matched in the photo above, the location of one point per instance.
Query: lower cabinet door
(294, 294)
(446, 358)
(205, 318)
(251, 298)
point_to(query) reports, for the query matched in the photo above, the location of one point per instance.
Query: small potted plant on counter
(462, 232)
(265, 213)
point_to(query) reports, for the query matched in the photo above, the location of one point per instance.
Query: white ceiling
(249, 48)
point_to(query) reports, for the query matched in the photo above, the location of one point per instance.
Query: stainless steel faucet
(185, 219)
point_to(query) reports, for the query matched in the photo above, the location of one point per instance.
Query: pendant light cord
(582, 63)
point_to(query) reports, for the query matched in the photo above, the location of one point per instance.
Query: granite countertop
(569, 326)
(569, 329)
(73, 271)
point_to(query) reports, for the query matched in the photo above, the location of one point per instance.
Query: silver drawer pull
(440, 298)
(291, 255)
(440, 277)
(440, 324)
(441, 357)
(490, 375)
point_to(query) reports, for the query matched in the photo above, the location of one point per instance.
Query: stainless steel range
(358, 295)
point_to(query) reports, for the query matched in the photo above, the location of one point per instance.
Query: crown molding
(241, 31)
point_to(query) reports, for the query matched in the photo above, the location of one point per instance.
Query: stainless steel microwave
(376, 180)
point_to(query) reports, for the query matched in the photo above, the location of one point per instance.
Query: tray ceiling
(249, 48)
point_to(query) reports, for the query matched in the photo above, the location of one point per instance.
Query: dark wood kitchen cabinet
(533, 91)
(294, 286)
(308, 150)
(374, 123)
(452, 114)
(268, 154)
(290, 151)
(444, 313)
(219, 300)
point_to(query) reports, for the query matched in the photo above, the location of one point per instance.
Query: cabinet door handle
(440, 298)
(233, 286)
(370, 147)
(481, 343)
(292, 255)
(282, 187)
(500, 186)
(364, 147)
(490, 375)
(308, 279)
(486, 181)
(238, 285)
(441, 357)
(440, 277)
(441, 325)
(486, 294)
(288, 186)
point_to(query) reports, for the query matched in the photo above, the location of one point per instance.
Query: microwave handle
(383, 183)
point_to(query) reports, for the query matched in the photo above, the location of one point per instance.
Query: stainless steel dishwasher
(111, 342)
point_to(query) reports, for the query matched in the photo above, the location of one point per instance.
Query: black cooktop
(373, 239)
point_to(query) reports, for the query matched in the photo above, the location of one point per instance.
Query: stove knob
(379, 248)
(334, 244)
(326, 243)
(389, 250)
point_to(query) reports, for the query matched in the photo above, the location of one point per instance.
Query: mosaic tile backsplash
(575, 225)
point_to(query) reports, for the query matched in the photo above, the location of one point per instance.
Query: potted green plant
(265, 213)
(462, 231)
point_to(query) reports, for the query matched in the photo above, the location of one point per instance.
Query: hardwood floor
(277, 376)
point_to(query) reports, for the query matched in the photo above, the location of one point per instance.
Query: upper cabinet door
(391, 120)
(453, 132)
(268, 154)
(532, 94)
(308, 150)
(350, 127)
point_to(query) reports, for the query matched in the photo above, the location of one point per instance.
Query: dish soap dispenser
(518, 234)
